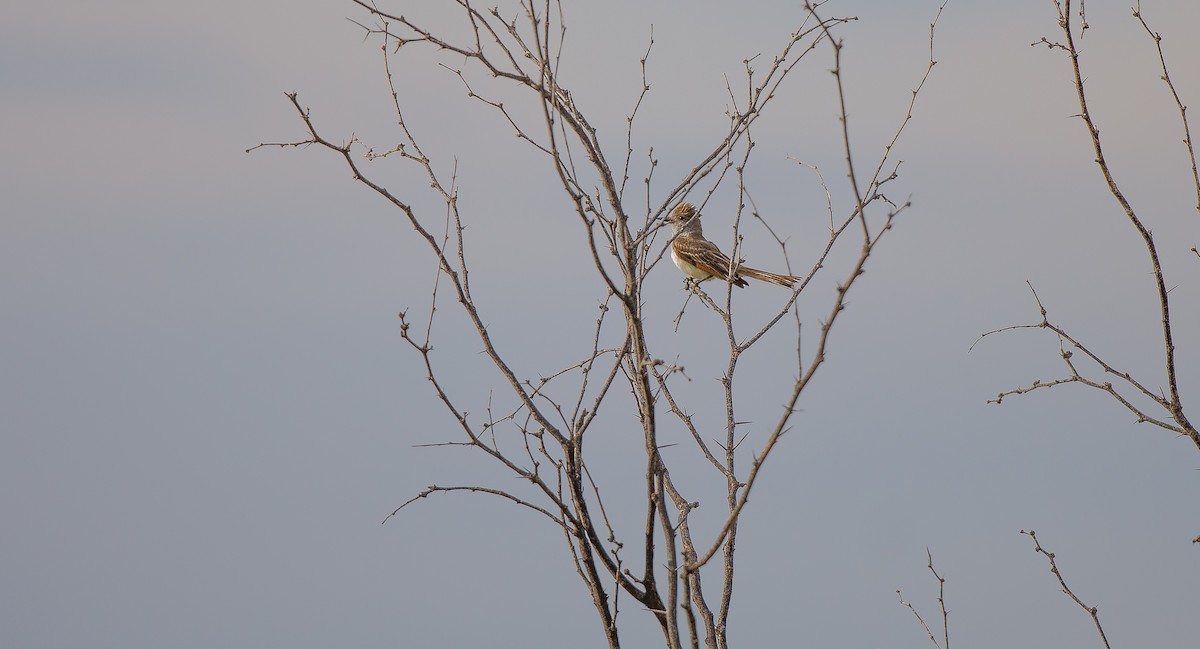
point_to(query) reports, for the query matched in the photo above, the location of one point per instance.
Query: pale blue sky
(207, 408)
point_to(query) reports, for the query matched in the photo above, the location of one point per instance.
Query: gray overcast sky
(207, 409)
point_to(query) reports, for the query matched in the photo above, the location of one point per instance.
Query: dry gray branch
(1092, 611)
(1173, 416)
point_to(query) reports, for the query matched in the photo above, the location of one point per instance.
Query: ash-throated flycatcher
(700, 258)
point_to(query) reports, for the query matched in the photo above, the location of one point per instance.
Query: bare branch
(1166, 77)
(869, 240)
(1062, 582)
(476, 489)
(1171, 402)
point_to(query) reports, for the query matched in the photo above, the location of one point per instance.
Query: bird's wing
(706, 256)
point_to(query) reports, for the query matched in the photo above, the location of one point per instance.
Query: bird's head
(684, 217)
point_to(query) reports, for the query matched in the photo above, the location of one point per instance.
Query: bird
(701, 259)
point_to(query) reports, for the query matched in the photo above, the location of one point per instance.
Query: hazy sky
(207, 409)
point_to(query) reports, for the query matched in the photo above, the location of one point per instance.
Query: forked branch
(1170, 400)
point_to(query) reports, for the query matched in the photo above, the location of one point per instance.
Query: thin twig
(1090, 610)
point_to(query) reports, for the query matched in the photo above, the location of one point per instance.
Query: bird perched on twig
(700, 258)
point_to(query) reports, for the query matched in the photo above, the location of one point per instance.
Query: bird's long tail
(787, 281)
